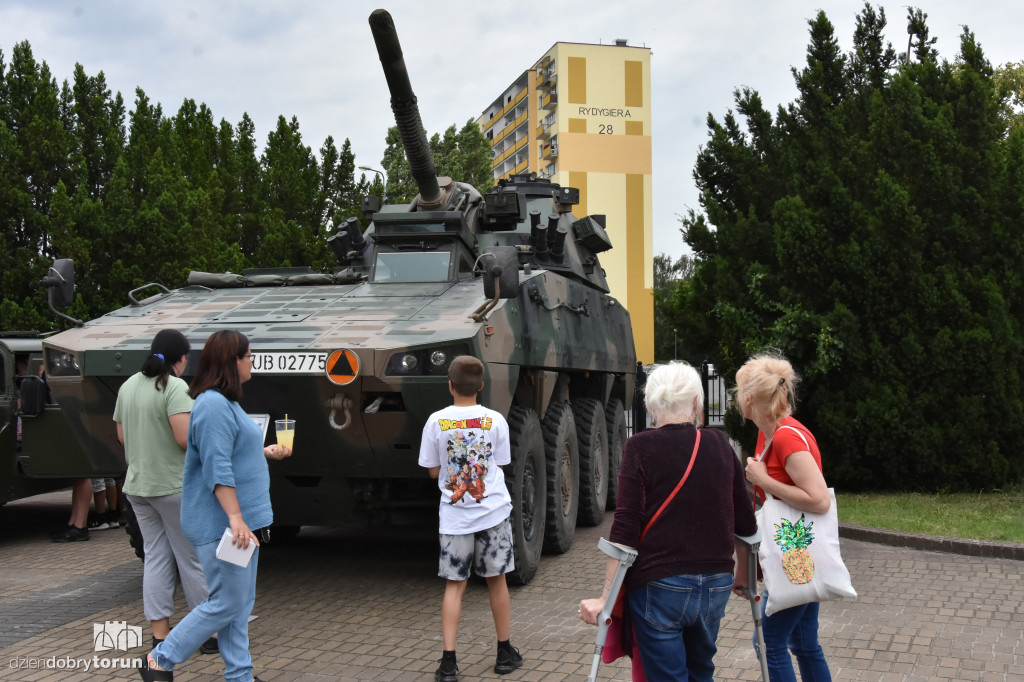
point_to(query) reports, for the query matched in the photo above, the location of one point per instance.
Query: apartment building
(581, 116)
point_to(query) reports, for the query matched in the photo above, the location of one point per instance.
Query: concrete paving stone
(329, 613)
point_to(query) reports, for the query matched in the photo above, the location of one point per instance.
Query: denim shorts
(488, 552)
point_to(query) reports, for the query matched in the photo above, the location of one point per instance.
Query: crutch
(625, 557)
(753, 544)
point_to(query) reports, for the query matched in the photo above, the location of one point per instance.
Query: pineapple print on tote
(794, 539)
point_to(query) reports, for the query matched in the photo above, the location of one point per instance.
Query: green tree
(401, 188)
(869, 230)
(290, 183)
(98, 128)
(35, 146)
(1010, 79)
(463, 154)
(252, 203)
(671, 278)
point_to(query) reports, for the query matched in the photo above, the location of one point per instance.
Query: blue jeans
(676, 622)
(795, 630)
(225, 612)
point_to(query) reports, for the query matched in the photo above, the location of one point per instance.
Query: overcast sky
(315, 60)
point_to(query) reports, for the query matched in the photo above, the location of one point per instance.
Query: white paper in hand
(229, 552)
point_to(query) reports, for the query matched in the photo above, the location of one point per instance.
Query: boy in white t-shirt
(464, 447)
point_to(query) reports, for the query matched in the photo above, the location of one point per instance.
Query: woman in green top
(152, 414)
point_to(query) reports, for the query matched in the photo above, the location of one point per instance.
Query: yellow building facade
(581, 116)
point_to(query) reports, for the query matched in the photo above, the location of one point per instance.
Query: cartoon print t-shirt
(469, 444)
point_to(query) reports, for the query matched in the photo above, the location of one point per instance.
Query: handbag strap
(686, 474)
(768, 495)
(768, 444)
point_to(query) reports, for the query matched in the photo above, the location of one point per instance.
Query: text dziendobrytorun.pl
(72, 663)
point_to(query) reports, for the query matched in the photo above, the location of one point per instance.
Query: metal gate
(716, 398)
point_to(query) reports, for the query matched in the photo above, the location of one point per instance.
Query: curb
(978, 548)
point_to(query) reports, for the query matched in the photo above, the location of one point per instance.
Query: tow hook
(340, 402)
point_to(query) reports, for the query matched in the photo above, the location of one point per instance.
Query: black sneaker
(72, 534)
(508, 660)
(448, 671)
(210, 646)
(59, 531)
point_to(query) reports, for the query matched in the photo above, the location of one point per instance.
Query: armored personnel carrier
(359, 356)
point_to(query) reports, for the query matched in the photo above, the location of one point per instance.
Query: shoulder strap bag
(799, 553)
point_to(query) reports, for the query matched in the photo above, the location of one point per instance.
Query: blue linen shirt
(225, 447)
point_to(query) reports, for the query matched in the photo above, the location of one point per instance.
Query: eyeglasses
(247, 356)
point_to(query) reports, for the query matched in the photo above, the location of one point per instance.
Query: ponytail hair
(770, 379)
(169, 346)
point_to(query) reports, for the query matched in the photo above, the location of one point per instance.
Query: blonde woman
(788, 467)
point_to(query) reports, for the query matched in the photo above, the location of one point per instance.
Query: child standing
(464, 446)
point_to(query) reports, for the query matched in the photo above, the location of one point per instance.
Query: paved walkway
(358, 604)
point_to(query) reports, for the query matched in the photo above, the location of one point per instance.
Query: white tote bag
(799, 555)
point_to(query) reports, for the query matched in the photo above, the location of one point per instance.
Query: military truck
(33, 458)
(359, 356)
(38, 452)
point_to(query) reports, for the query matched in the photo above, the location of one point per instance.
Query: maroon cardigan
(695, 533)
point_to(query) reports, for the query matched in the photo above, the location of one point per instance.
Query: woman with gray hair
(678, 587)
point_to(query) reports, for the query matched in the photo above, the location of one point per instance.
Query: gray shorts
(489, 552)
(101, 484)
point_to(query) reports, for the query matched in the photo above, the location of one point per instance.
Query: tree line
(873, 231)
(139, 196)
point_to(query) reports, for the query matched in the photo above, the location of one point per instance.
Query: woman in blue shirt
(226, 484)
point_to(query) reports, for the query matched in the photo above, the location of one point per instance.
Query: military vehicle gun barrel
(403, 104)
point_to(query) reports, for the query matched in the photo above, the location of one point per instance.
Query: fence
(716, 399)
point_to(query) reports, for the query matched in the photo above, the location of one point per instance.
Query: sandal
(150, 675)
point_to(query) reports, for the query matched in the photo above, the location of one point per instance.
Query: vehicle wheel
(563, 464)
(526, 480)
(591, 432)
(615, 417)
(131, 527)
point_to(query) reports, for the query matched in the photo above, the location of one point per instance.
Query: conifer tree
(869, 231)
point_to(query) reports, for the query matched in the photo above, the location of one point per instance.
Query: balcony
(549, 151)
(544, 130)
(549, 101)
(546, 79)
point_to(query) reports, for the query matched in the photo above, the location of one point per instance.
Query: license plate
(288, 363)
